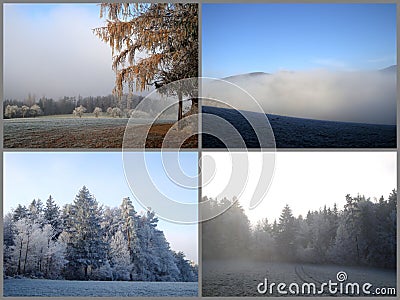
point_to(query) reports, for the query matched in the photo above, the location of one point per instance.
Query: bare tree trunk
(195, 105)
(358, 251)
(19, 259)
(40, 260)
(26, 254)
(180, 109)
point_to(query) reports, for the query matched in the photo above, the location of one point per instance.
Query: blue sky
(242, 38)
(37, 175)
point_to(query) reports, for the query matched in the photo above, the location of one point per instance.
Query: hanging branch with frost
(152, 45)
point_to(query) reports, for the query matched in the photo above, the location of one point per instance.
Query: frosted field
(48, 288)
(293, 132)
(240, 278)
(66, 131)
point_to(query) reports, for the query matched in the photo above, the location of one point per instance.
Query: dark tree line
(85, 241)
(66, 105)
(363, 233)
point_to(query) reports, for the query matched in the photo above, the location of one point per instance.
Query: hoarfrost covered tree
(111, 221)
(20, 212)
(52, 216)
(129, 226)
(35, 110)
(121, 262)
(116, 112)
(9, 232)
(11, 111)
(163, 35)
(97, 111)
(86, 250)
(163, 262)
(23, 245)
(79, 111)
(24, 110)
(35, 211)
(263, 243)
(34, 253)
(286, 235)
(228, 235)
(109, 111)
(187, 272)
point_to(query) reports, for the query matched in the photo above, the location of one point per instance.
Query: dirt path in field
(241, 277)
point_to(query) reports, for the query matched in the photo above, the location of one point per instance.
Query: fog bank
(363, 96)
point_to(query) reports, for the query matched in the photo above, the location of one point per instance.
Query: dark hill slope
(293, 132)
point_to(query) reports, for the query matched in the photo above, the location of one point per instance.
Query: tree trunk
(26, 254)
(19, 259)
(358, 251)
(180, 109)
(40, 260)
(195, 106)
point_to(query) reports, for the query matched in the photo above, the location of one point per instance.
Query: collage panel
(292, 75)
(325, 227)
(74, 226)
(120, 75)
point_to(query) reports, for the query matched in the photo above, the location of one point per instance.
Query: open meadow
(291, 132)
(241, 278)
(66, 131)
(65, 288)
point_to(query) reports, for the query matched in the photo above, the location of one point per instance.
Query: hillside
(293, 132)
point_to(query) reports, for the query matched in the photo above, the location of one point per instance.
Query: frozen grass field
(66, 131)
(64, 288)
(293, 132)
(240, 278)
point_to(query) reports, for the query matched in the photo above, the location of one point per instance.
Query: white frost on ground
(48, 288)
(240, 278)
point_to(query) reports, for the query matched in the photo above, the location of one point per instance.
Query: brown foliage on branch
(152, 44)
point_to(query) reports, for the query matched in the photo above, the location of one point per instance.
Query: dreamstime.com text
(330, 287)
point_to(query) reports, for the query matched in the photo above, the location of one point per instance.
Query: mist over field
(361, 96)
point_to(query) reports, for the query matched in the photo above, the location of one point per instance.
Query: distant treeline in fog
(362, 233)
(66, 105)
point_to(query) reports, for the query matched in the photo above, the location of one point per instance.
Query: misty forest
(360, 237)
(32, 107)
(87, 241)
(362, 233)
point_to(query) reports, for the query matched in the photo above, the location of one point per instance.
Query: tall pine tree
(86, 249)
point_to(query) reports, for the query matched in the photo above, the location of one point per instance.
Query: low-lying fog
(362, 96)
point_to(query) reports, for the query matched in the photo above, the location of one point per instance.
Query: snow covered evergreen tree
(129, 223)
(86, 249)
(286, 234)
(51, 214)
(120, 257)
(187, 272)
(20, 212)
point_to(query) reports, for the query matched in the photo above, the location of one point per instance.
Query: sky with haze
(307, 180)
(50, 50)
